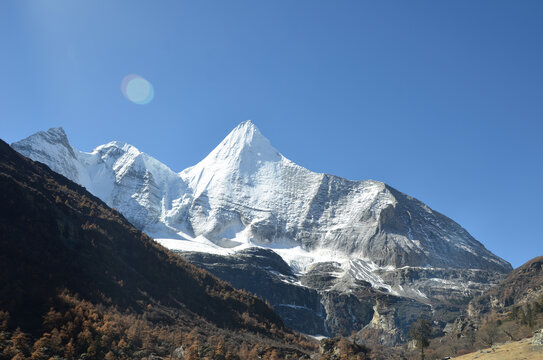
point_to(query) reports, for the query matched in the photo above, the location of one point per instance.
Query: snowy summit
(245, 193)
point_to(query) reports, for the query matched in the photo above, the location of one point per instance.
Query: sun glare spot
(136, 89)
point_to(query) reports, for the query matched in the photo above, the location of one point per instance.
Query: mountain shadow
(67, 260)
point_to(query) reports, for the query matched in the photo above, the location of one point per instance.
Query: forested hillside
(78, 281)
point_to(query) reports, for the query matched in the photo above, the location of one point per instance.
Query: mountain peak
(121, 145)
(54, 138)
(55, 135)
(242, 153)
(59, 131)
(245, 142)
(245, 133)
(53, 148)
(247, 123)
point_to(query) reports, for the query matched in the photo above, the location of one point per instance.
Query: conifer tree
(420, 332)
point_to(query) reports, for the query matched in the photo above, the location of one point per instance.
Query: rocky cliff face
(312, 302)
(337, 237)
(263, 272)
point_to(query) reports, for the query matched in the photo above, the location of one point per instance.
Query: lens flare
(136, 89)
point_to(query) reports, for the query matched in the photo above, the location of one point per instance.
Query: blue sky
(443, 100)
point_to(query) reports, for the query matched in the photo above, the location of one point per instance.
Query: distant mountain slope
(507, 312)
(522, 286)
(58, 241)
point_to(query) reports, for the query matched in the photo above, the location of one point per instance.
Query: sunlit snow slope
(245, 193)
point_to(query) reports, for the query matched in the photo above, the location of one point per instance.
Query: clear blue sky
(443, 100)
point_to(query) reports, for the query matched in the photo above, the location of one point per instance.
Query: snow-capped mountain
(246, 194)
(125, 178)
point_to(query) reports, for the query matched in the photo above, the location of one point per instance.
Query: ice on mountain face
(245, 193)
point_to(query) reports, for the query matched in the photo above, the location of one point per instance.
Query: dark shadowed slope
(58, 241)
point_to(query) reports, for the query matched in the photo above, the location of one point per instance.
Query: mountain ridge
(338, 236)
(245, 162)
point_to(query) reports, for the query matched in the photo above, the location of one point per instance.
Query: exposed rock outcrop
(538, 337)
